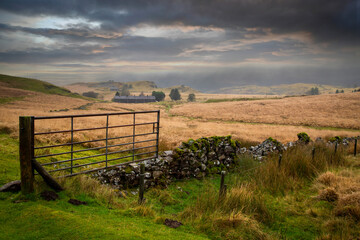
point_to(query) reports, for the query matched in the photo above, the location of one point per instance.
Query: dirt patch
(172, 223)
(76, 202)
(49, 195)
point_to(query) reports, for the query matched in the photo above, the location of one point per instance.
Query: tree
(191, 97)
(90, 94)
(174, 94)
(337, 91)
(117, 94)
(342, 91)
(313, 91)
(159, 96)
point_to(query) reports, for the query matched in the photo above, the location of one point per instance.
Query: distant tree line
(313, 91)
(91, 94)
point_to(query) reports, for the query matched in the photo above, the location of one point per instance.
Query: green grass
(9, 159)
(36, 86)
(254, 208)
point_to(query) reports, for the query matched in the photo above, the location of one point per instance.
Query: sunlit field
(245, 120)
(335, 110)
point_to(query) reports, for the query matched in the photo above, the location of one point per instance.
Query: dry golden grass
(343, 188)
(174, 130)
(336, 110)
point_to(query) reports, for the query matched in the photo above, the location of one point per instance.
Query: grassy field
(340, 110)
(264, 201)
(34, 85)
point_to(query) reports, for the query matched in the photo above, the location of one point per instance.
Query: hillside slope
(34, 85)
(283, 89)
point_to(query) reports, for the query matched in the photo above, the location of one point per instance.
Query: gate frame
(27, 135)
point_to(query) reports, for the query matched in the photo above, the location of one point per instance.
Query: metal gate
(110, 147)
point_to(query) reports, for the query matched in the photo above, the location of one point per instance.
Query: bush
(90, 94)
(175, 94)
(159, 96)
(303, 137)
(191, 97)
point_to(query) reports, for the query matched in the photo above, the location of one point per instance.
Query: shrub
(175, 94)
(191, 97)
(303, 137)
(159, 96)
(90, 94)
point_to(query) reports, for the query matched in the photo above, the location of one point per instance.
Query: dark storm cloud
(128, 49)
(74, 34)
(327, 20)
(202, 43)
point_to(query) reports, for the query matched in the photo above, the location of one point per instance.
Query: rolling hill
(34, 85)
(283, 89)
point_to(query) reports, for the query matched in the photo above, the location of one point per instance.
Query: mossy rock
(303, 137)
(335, 139)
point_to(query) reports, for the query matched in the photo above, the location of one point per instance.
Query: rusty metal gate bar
(133, 150)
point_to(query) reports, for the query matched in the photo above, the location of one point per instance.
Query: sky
(206, 44)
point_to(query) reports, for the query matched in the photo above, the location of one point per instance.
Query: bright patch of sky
(175, 32)
(61, 23)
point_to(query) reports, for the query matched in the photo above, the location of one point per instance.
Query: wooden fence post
(313, 153)
(141, 183)
(26, 151)
(336, 146)
(223, 186)
(280, 159)
(355, 146)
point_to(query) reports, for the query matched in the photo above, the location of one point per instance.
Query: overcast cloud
(207, 44)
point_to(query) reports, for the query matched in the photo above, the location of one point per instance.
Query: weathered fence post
(223, 186)
(26, 151)
(313, 153)
(141, 183)
(280, 159)
(336, 146)
(355, 146)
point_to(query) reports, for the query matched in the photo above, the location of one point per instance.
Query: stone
(76, 202)
(14, 186)
(157, 174)
(49, 195)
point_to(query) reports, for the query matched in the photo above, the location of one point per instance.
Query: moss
(335, 139)
(304, 137)
(276, 142)
(128, 169)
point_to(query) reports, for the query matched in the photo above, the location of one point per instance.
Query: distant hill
(107, 91)
(34, 85)
(134, 86)
(182, 89)
(283, 89)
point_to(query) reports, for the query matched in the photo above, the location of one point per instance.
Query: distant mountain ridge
(282, 89)
(136, 85)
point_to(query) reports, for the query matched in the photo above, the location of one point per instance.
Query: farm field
(319, 116)
(287, 207)
(331, 110)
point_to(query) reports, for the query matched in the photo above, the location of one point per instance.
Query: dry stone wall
(194, 159)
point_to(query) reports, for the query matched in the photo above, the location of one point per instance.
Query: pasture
(264, 201)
